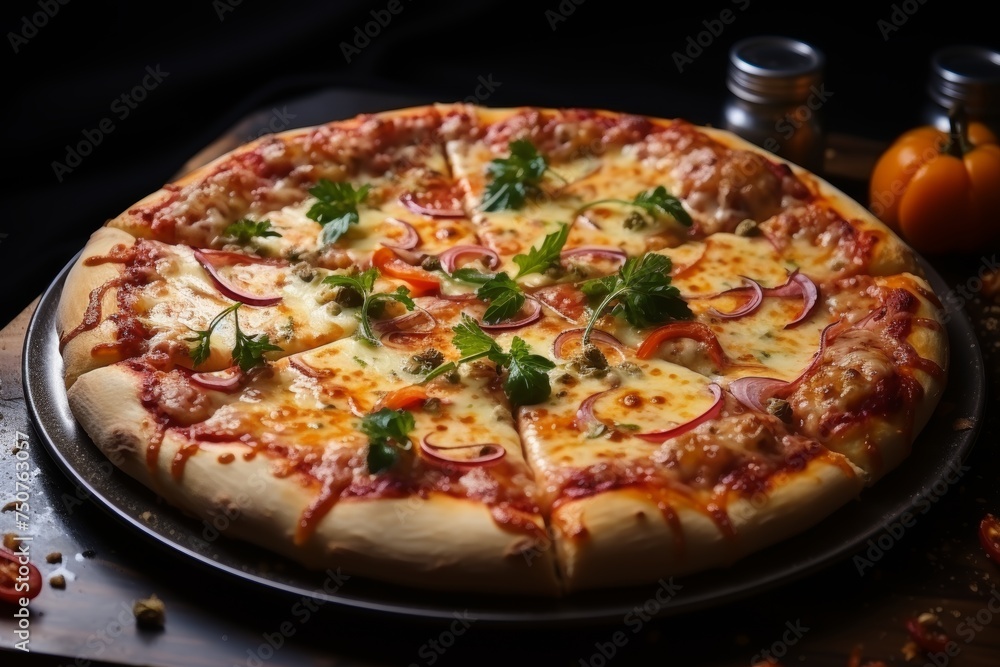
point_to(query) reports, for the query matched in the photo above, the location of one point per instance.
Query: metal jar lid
(966, 74)
(772, 69)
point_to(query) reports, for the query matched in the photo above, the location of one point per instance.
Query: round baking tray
(938, 451)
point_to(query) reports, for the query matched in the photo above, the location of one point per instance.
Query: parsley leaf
(655, 202)
(505, 298)
(527, 379)
(468, 275)
(538, 260)
(514, 178)
(641, 291)
(364, 284)
(244, 229)
(337, 208)
(388, 435)
(248, 351)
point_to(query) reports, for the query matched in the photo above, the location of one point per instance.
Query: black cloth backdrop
(71, 69)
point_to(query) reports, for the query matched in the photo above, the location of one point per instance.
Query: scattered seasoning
(54, 557)
(10, 540)
(150, 613)
(89, 553)
(57, 581)
(9, 507)
(962, 424)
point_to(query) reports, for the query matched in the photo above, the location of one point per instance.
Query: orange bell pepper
(941, 190)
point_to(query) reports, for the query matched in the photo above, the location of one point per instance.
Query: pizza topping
(248, 351)
(641, 292)
(515, 178)
(654, 202)
(371, 301)
(388, 436)
(529, 316)
(436, 202)
(693, 330)
(229, 379)
(680, 429)
(450, 258)
(796, 285)
(409, 239)
(505, 298)
(527, 379)
(243, 231)
(562, 347)
(463, 455)
(336, 208)
(612, 254)
(425, 362)
(422, 282)
(546, 256)
(213, 260)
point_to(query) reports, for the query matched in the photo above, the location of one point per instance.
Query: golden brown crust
(82, 282)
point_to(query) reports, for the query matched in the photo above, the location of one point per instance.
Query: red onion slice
(410, 239)
(680, 429)
(406, 323)
(211, 260)
(224, 380)
(449, 258)
(559, 345)
(533, 315)
(409, 200)
(810, 295)
(599, 251)
(489, 453)
(756, 298)
(754, 392)
(585, 416)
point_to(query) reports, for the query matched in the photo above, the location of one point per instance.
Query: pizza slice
(340, 456)
(209, 309)
(330, 195)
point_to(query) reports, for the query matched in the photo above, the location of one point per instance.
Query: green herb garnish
(641, 292)
(364, 284)
(388, 436)
(244, 230)
(515, 178)
(248, 350)
(527, 379)
(504, 296)
(545, 256)
(337, 208)
(655, 202)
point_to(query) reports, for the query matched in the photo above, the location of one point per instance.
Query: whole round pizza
(526, 350)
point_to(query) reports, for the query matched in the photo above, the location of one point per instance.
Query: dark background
(223, 60)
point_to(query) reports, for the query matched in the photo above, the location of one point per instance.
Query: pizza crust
(81, 281)
(621, 537)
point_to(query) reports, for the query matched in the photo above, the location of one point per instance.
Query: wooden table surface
(935, 565)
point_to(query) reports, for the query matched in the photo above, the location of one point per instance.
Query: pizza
(526, 351)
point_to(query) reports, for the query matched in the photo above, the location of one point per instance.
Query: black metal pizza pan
(925, 474)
